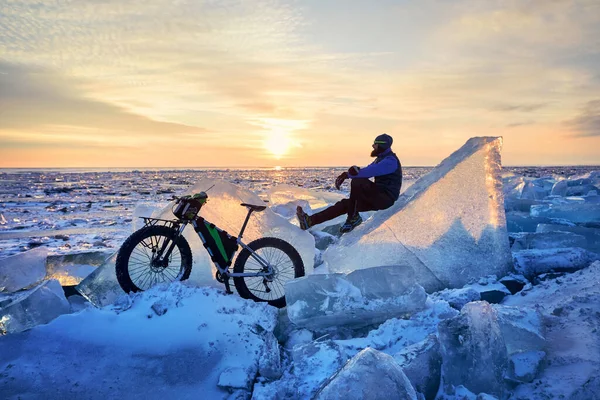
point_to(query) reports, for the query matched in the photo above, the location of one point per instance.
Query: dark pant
(364, 196)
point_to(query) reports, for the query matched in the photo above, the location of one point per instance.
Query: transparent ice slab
(26, 309)
(576, 211)
(547, 240)
(449, 226)
(535, 262)
(363, 297)
(592, 235)
(23, 270)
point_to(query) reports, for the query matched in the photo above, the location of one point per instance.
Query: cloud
(33, 97)
(588, 122)
(519, 107)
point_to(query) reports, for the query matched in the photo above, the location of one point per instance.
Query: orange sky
(309, 83)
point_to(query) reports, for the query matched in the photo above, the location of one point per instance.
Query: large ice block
(23, 270)
(592, 235)
(473, 350)
(361, 298)
(547, 240)
(33, 307)
(575, 211)
(449, 226)
(530, 263)
(369, 375)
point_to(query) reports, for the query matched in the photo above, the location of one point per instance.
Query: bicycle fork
(161, 258)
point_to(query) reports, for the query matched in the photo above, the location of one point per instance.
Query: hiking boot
(351, 223)
(303, 218)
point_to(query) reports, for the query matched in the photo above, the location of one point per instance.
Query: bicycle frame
(167, 247)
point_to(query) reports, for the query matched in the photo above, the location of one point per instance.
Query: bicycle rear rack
(157, 221)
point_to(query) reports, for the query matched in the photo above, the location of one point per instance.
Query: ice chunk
(33, 307)
(575, 211)
(23, 270)
(512, 186)
(449, 226)
(522, 205)
(537, 189)
(521, 222)
(223, 209)
(560, 188)
(524, 367)
(592, 235)
(71, 269)
(547, 240)
(473, 350)
(536, 262)
(361, 298)
(101, 287)
(422, 364)
(369, 375)
(522, 328)
(457, 298)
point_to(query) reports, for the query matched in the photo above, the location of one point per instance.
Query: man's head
(381, 144)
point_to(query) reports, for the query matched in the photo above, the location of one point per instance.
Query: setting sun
(278, 143)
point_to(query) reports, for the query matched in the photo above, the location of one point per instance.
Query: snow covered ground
(181, 341)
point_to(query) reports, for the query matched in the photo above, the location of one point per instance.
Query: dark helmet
(384, 141)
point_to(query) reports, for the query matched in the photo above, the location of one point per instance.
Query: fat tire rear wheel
(137, 249)
(282, 256)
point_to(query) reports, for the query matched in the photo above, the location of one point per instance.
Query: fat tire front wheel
(282, 256)
(134, 268)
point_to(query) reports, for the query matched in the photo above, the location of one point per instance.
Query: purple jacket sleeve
(384, 167)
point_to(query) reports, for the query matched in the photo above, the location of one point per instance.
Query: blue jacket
(387, 171)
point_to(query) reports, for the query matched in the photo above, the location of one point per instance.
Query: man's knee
(359, 183)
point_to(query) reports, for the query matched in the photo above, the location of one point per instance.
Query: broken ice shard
(449, 226)
(522, 328)
(40, 305)
(473, 349)
(101, 287)
(379, 377)
(363, 297)
(23, 270)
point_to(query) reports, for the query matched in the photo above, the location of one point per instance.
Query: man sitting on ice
(365, 195)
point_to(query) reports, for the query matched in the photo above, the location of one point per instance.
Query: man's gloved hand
(353, 170)
(340, 179)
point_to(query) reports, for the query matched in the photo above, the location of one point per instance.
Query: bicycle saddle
(253, 207)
